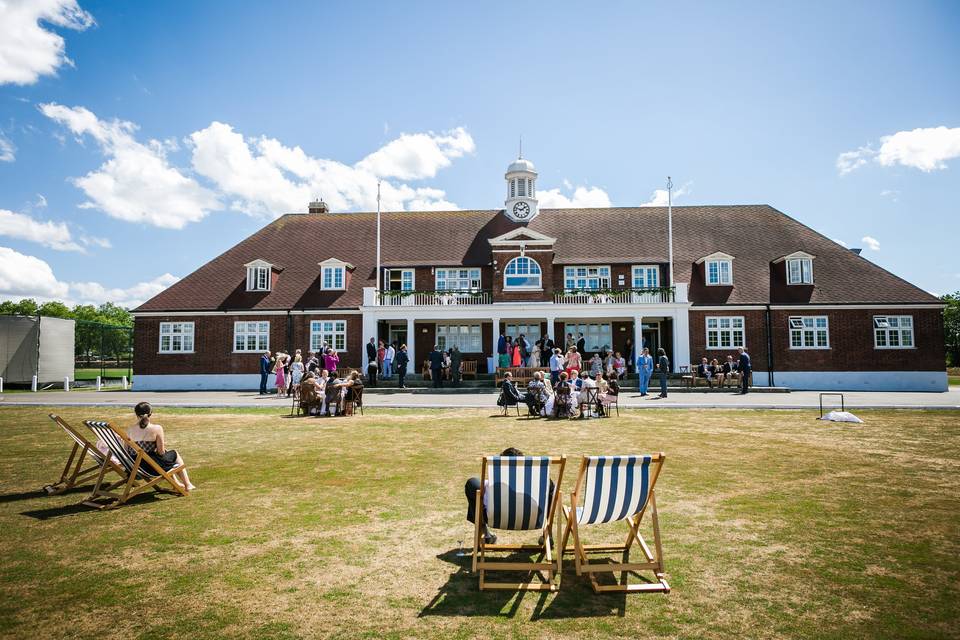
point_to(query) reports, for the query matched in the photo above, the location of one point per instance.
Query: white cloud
(418, 155)
(55, 235)
(926, 149)
(8, 152)
(659, 197)
(41, 202)
(582, 197)
(136, 183)
(23, 276)
(893, 194)
(262, 176)
(92, 241)
(29, 50)
(871, 243)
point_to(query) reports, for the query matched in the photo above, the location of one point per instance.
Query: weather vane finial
(520, 155)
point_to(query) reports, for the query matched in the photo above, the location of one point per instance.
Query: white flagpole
(378, 237)
(670, 225)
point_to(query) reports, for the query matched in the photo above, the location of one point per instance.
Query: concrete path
(699, 400)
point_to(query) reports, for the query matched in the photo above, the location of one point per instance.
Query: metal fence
(103, 350)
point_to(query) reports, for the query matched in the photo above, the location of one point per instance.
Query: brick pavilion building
(812, 314)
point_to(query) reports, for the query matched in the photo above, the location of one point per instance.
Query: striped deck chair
(74, 474)
(616, 488)
(140, 471)
(519, 500)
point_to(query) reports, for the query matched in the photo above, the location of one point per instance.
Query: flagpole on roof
(670, 225)
(378, 237)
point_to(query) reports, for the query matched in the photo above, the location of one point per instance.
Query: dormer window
(259, 275)
(333, 274)
(522, 273)
(717, 269)
(799, 267)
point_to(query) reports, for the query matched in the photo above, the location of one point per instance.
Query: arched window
(522, 273)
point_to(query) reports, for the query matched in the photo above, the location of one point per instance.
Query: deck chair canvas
(616, 488)
(73, 472)
(141, 473)
(519, 500)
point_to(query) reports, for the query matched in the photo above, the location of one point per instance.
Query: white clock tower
(521, 202)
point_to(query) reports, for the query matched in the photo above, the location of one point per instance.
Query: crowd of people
(567, 398)
(738, 370)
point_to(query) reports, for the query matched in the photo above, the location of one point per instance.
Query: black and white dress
(167, 461)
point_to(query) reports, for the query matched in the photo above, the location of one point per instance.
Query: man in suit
(509, 396)
(402, 360)
(264, 372)
(581, 343)
(663, 367)
(372, 350)
(745, 370)
(704, 370)
(436, 366)
(546, 351)
(456, 362)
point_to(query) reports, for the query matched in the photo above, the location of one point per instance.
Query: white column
(637, 341)
(496, 338)
(369, 324)
(411, 346)
(681, 339)
(551, 323)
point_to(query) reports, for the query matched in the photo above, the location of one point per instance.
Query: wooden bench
(521, 375)
(468, 368)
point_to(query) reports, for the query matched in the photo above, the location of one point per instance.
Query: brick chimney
(318, 206)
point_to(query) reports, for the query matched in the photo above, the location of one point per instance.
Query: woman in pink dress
(281, 378)
(331, 361)
(515, 354)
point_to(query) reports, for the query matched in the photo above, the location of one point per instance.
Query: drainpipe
(289, 331)
(769, 323)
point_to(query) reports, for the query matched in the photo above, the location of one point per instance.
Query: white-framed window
(893, 332)
(399, 280)
(466, 337)
(251, 336)
(333, 277)
(458, 279)
(800, 271)
(530, 331)
(596, 335)
(576, 278)
(646, 276)
(719, 272)
(258, 278)
(330, 333)
(176, 337)
(522, 273)
(809, 332)
(725, 332)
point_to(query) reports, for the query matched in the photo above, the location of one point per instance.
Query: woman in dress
(281, 377)
(574, 362)
(535, 354)
(296, 370)
(516, 360)
(331, 361)
(150, 438)
(596, 365)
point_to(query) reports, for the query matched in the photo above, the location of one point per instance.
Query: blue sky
(139, 140)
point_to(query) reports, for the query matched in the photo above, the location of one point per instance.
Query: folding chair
(140, 471)
(504, 407)
(561, 402)
(613, 401)
(616, 488)
(589, 397)
(519, 500)
(74, 474)
(355, 400)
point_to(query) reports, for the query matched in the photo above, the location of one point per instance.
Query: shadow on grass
(461, 596)
(75, 508)
(40, 493)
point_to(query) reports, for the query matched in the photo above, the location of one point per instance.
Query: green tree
(26, 307)
(87, 331)
(55, 310)
(951, 327)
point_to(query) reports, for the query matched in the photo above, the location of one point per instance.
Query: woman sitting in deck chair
(150, 438)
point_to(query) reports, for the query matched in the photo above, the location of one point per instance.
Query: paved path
(725, 400)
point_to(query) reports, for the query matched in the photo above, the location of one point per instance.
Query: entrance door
(398, 334)
(651, 338)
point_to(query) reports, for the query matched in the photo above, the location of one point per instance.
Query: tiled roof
(754, 234)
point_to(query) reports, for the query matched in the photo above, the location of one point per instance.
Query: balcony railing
(432, 298)
(658, 295)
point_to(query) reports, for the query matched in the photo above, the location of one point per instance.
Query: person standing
(663, 366)
(296, 370)
(279, 370)
(436, 366)
(388, 358)
(264, 372)
(645, 370)
(331, 362)
(372, 373)
(632, 358)
(581, 344)
(556, 366)
(516, 357)
(546, 351)
(456, 363)
(745, 369)
(503, 359)
(372, 350)
(402, 360)
(381, 354)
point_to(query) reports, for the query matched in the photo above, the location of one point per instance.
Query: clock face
(521, 210)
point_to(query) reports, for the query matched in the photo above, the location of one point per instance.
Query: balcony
(430, 298)
(659, 295)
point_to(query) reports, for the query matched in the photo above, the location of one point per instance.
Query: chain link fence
(104, 351)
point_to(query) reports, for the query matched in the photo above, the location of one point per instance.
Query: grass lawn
(91, 374)
(774, 525)
(953, 380)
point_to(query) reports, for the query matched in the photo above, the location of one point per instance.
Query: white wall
(856, 380)
(205, 382)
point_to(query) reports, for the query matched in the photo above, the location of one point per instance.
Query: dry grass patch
(774, 525)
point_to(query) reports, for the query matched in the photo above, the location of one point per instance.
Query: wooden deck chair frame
(580, 551)
(355, 401)
(551, 561)
(141, 473)
(74, 474)
(590, 398)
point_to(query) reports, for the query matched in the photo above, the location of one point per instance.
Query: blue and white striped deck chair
(616, 488)
(515, 495)
(74, 474)
(142, 473)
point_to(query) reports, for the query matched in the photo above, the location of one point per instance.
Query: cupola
(521, 202)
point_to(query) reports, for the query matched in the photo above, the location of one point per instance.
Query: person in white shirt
(388, 357)
(556, 366)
